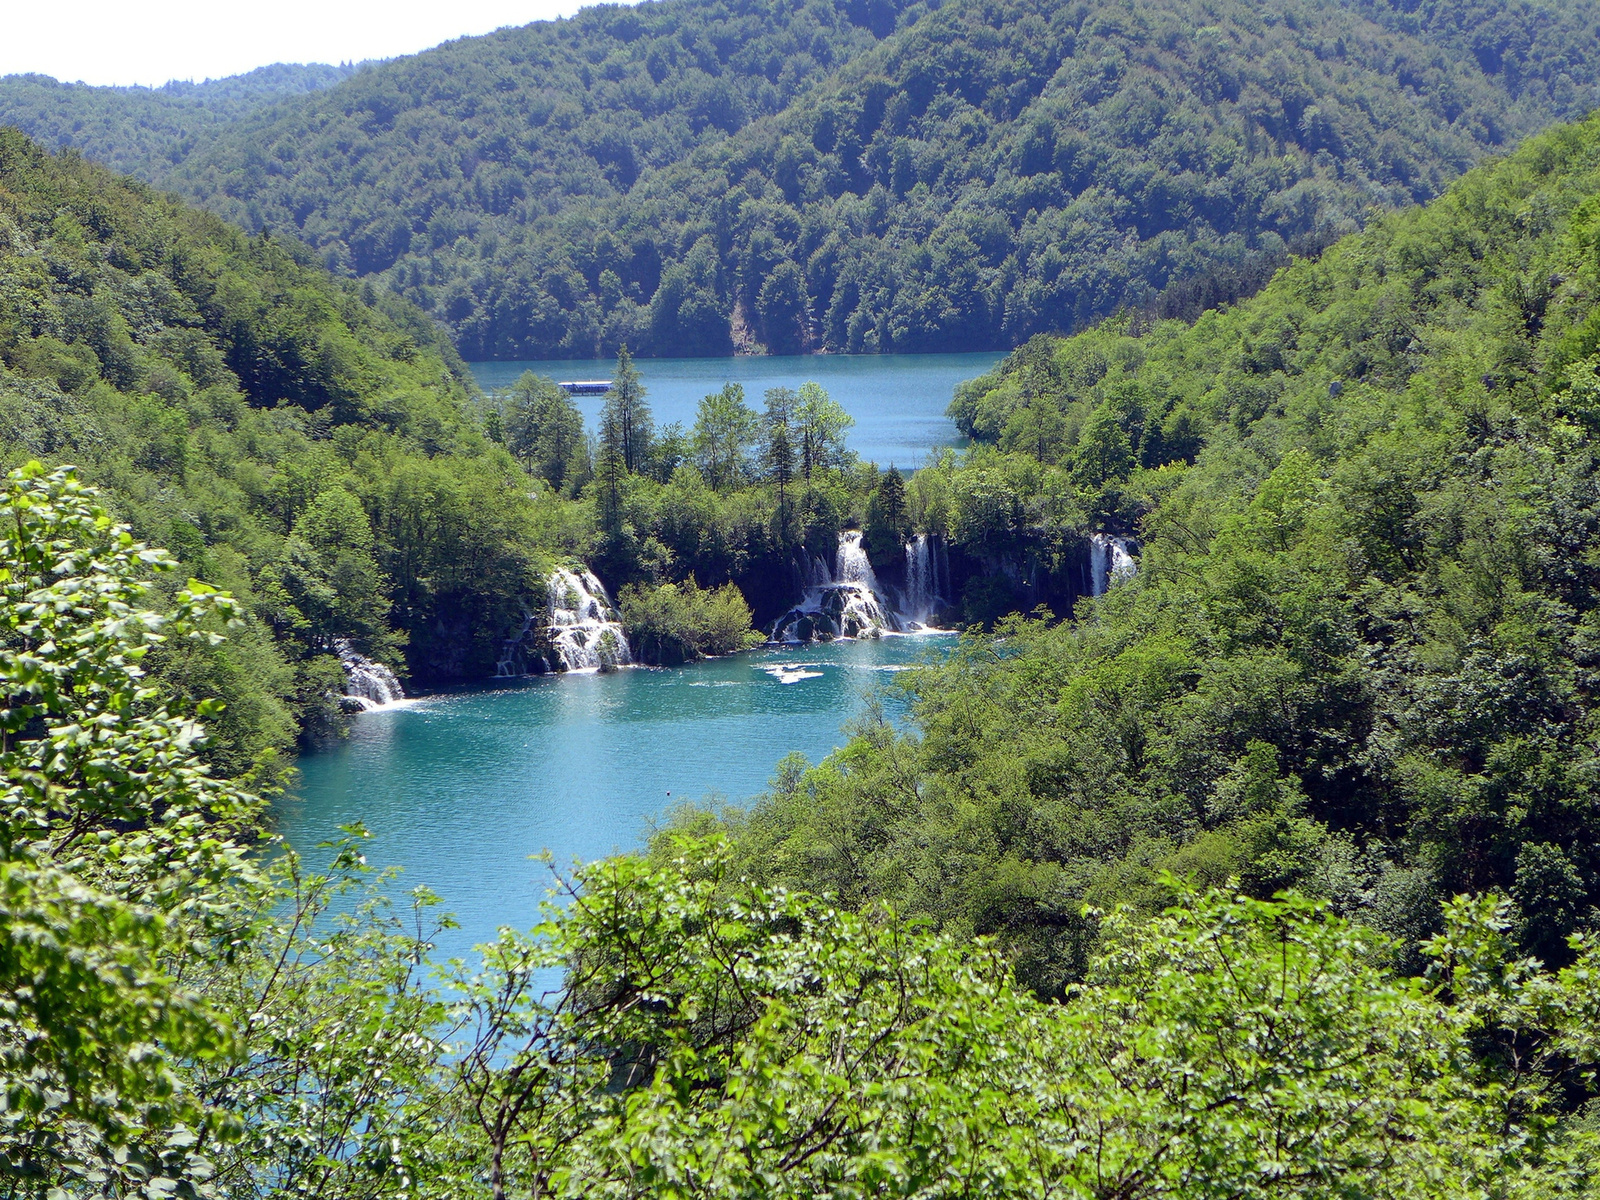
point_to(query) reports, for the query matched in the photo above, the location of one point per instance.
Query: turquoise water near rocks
(898, 400)
(460, 789)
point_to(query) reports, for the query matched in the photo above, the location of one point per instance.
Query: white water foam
(369, 685)
(927, 589)
(584, 630)
(1110, 562)
(581, 627)
(791, 672)
(847, 601)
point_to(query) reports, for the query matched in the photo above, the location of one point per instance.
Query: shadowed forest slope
(691, 179)
(305, 442)
(1358, 657)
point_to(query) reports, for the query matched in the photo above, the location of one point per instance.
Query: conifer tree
(781, 403)
(888, 518)
(626, 410)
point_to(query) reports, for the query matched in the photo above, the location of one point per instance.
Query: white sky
(151, 41)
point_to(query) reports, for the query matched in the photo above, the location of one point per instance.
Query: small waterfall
(584, 630)
(1110, 561)
(511, 663)
(368, 684)
(843, 602)
(927, 588)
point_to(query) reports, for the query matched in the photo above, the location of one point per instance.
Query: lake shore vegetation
(1354, 658)
(181, 1017)
(1241, 848)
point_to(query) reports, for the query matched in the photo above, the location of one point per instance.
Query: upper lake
(898, 400)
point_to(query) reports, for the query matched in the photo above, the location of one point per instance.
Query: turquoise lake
(897, 400)
(459, 789)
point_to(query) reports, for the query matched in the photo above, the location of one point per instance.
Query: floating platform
(585, 387)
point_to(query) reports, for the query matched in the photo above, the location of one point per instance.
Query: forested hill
(1358, 657)
(305, 442)
(145, 131)
(446, 157)
(1005, 168)
(688, 178)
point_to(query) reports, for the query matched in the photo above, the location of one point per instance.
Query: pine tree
(888, 518)
(781, 402)
(625, 407)
(610, 466)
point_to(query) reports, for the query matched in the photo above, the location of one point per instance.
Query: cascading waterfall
(368, 684)
(584, 630)
(847, 600)
(1110, 561)
(511, 663)
(843, 602)
(575, 630)
(927, 588)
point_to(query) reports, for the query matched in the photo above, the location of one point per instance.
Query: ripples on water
(460, 789)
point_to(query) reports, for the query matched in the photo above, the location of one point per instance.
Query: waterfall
(511, 663)
(576, 629)
(368, 684)
(1110, 561)
(843, 602)
(584, 630)
(927, 581)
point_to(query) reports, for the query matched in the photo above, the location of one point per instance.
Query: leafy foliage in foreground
(110, 829)
(1358, 655)
(178, 1021)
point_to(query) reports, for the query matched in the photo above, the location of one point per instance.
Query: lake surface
(897, 400)
(459, 789)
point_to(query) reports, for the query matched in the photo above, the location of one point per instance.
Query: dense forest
(315, 447)
(1357, 657)
(1264, 870)
(693, 179)
(179, 1017)
(311, 446)
(146, 131)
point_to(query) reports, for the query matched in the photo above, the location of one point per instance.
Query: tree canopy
(682, 178)
(1354, 657)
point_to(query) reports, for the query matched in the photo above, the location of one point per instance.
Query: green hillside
(447, 155)
(1358, 654)
(688, 179)
(1004, 169)
(144, 131)
(297, 440)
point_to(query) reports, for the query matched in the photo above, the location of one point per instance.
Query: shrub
(674, 623)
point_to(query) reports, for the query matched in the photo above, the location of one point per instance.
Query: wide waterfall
(578, 631)
(845, 599)
(584, 631)
(368, 684)
(927, 590)
(1110, 561)
(842, 601)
